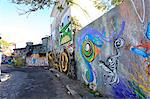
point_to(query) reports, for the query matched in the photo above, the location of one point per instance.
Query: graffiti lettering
(62, 62)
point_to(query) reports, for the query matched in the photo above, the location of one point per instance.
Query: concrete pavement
(38, 83)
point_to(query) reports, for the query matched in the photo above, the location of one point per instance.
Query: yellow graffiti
(64, 62)
(51, 59)
(65, 39)
(60, 63)
(138, 76)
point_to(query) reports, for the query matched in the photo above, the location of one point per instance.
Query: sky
(20, 29)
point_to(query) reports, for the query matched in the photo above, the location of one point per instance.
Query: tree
(4, 46)
(104, 6)
(4, 43)
(35, 5)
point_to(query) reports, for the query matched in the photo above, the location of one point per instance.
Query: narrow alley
(39, 83)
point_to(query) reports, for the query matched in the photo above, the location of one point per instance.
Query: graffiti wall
(7, 59)
(64, 62)
(36, 60)
(113, 52)
(62, 56)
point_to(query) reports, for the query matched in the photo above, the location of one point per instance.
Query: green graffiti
(137, 90)
(66, 37)
(88, 50)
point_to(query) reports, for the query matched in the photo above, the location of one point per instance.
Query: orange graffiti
(97, 51)
(145, 45)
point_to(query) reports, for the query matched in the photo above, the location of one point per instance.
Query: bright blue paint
(148, 31)
(91, 75)
(95, 40)
(139, 52)
(94, 37)
(102, 34)
(121, 90)
(33, 60)
(89, 68)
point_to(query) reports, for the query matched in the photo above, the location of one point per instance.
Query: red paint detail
(146, 61)
(97, 51)
(146, 45)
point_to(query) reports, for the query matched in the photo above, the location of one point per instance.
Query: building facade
(33, 54)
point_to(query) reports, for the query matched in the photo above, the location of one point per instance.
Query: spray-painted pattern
(66, 37)
(110, 67)
(62, 62)
(124, 70)
(148, 31)
(36, 60)
(89, 46)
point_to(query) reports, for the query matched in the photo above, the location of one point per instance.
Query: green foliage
(75, 23)
(35, 5)
(60, 8)
(4, 43)
(116, 2)
(102, 6)
(19, 62)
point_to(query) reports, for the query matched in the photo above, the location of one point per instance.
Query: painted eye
(110, 60)
(88, 50)
(87, 47)
(119, 43)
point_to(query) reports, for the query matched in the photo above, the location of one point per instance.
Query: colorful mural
(63, 62)
(111, 64)
(7, 59)
(67, 35)
(36, 60)
(113, 52)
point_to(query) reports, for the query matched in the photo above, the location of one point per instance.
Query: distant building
(20, 52)
(34, 55)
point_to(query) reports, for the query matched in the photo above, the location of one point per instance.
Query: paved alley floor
(32, 83)
(38, 83)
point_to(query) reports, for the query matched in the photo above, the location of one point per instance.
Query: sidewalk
(4, 77)
(75, 87)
